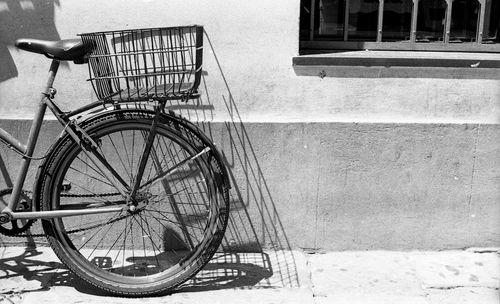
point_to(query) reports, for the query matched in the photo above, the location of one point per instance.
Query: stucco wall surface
(254, 43)
(330, 163)
(350, 186)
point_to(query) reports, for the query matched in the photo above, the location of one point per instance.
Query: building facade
(363, 147)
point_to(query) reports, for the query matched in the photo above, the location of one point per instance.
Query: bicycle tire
(150, 251)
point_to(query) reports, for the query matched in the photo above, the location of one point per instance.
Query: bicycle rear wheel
(179, 220)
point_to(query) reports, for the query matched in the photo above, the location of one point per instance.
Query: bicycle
(133, 198)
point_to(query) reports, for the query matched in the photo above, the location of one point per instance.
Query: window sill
(402, 58)
(399, 64)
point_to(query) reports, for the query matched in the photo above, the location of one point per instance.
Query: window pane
(330, 22)
(397, 20)
(305, 19)
(491, 33)
(363, 19)
(464, 18)
(431, 20)
(331, 17)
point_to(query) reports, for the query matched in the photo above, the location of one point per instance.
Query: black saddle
(68, 49)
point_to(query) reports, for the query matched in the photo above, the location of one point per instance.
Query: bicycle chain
(75, 230)
(33, 235)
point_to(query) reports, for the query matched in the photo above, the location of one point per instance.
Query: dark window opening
(464, 21)
(464, 25)
(397, 20)
(431, 20)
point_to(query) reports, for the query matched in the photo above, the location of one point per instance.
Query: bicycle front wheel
(179, 218)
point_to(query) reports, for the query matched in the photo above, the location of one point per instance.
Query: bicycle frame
(28, 149)
(89, 147)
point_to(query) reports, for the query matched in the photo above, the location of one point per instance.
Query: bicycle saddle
(68, 49)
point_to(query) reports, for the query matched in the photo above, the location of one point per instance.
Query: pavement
(418, 277)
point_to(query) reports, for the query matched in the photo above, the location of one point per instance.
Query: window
(433, 25)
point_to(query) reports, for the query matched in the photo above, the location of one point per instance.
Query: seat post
(32, 137)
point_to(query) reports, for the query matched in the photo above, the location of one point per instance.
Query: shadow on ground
(29, 272)
(36, 269)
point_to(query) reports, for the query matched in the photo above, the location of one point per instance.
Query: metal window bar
(311, 21)
(413, 31)
(480, 21)
(414, 14)
(346, 20)
(380, 20)
(447, 27)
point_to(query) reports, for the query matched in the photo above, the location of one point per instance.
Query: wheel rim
(161, 246)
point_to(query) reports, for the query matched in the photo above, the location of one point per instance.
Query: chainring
(16, 227)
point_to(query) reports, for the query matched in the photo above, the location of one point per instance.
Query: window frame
(317, 44)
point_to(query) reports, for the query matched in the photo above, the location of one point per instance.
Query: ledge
(402, 59)
(399, 64)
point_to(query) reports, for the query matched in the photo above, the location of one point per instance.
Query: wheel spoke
(166, 218)
(124, 147)
(92, 177)
(175, 204)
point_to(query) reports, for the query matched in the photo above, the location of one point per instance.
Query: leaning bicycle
(133, 198)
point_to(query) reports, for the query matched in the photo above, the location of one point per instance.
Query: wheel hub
(139, 202)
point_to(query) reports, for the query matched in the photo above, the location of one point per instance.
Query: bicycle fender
(97, 115)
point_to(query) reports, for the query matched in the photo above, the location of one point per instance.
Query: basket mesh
(145, 64)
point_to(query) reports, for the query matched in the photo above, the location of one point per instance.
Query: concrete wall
(342, 162)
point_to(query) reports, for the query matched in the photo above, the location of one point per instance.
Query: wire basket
(145, 64)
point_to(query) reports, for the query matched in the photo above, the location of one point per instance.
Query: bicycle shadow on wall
(255, 252)
(23, 19)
